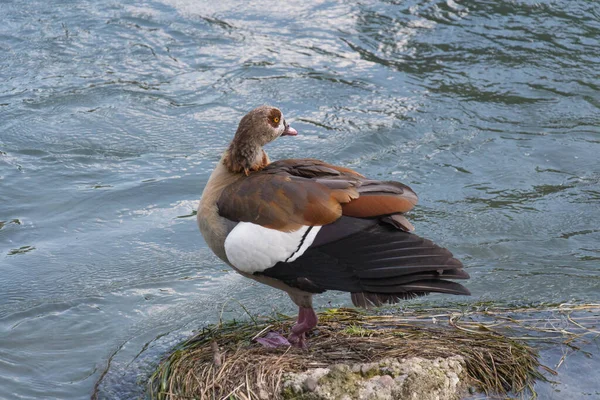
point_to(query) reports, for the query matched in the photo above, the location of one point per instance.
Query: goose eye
(276, 120)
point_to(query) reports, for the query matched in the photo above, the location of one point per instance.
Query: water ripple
(112, 116)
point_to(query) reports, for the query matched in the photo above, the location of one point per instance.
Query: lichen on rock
(389, 379)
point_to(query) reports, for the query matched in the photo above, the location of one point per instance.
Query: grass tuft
(224, 362)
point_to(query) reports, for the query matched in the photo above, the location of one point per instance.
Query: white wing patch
(253, 248)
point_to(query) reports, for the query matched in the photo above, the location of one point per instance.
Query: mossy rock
(388, 379)
(352, 353)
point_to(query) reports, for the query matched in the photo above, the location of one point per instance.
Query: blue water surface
(113, 114)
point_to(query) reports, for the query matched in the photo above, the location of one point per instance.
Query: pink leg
(273, 340)
(307, 320)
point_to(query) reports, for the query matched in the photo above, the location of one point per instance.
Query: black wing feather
(376, 261)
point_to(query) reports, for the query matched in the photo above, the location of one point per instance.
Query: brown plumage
(281, 201)
(245, 152)
(288, 194)
(305, 226)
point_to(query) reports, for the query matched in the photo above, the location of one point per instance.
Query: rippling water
(113, 114)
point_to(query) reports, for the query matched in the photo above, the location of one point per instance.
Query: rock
(369, 369)
(296, 384)
(389, 379)
(310, 384)
(386, 381)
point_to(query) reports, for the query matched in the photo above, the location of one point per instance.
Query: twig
(217, 357)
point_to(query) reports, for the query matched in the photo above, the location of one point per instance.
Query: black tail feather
(377, 262)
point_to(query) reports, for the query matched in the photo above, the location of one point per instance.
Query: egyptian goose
(305, 226)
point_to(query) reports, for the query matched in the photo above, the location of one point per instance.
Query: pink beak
(289, 131)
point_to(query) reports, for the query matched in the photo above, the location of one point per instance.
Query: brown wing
(284, 202)
(288, 194)
(381, 198)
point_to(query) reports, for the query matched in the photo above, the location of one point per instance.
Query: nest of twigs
(224, 362)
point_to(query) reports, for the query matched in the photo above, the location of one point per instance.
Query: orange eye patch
(276, 120)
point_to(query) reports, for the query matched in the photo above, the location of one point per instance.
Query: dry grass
(492, 341)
